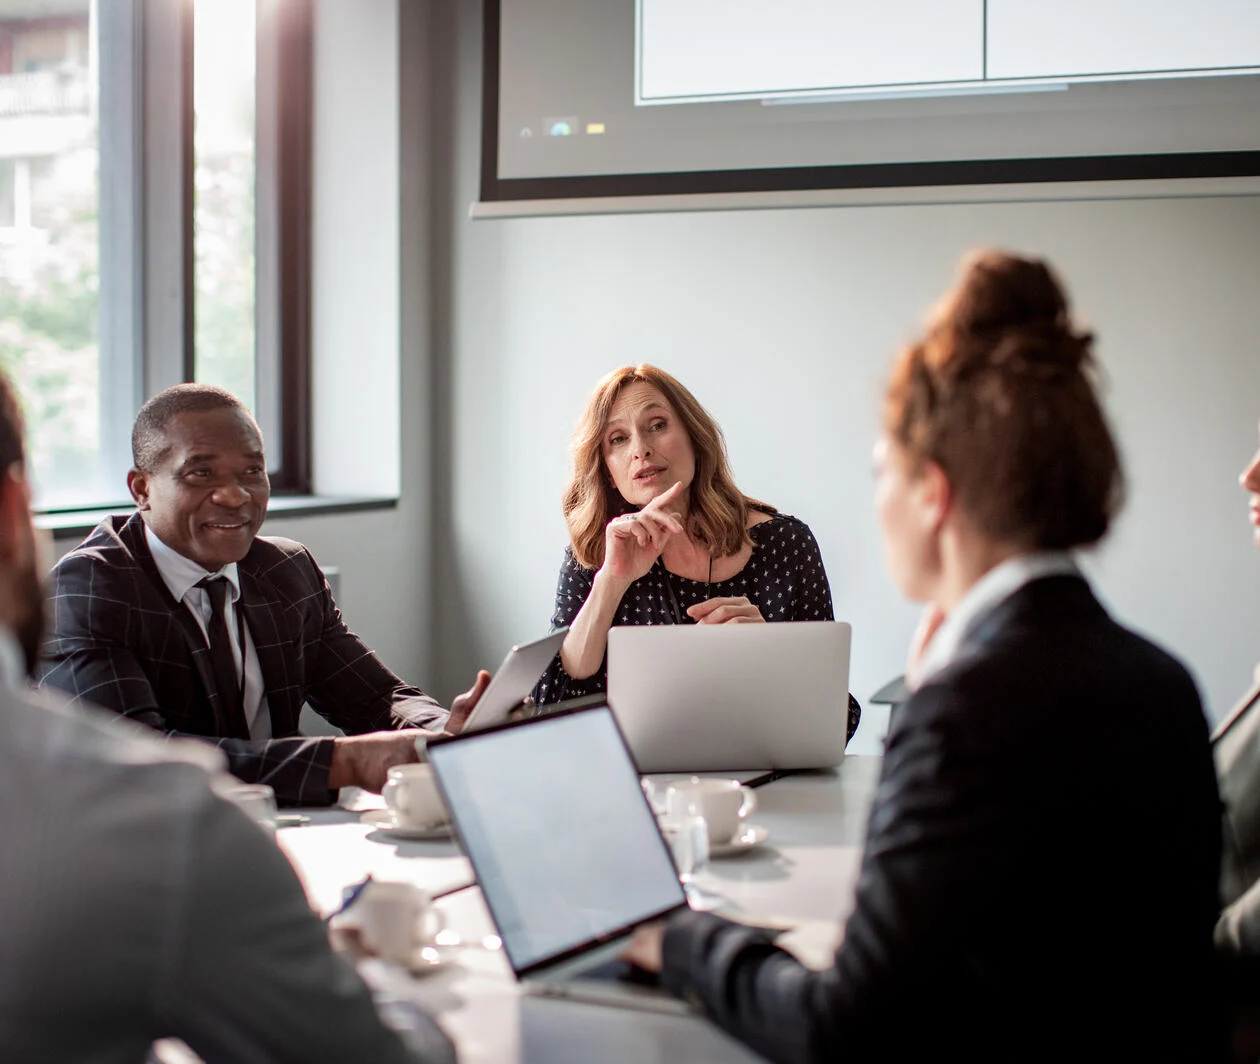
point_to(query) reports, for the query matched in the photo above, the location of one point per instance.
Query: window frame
(283, 199)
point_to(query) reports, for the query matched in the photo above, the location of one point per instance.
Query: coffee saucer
(748, 837)
(426, 960)
(383, 820)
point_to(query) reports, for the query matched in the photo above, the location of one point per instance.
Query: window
(143, 240)
(49, 240)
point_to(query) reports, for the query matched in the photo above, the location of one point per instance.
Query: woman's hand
(732, 610)
(646, 947)
(633, 542)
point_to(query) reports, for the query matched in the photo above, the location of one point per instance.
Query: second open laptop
(566, 850)
(514, 679)
(731, 697)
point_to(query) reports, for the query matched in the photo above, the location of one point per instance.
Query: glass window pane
(49, 240)
(223, 218)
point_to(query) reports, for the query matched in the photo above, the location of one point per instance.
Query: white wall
(783, 324)
(355, 239)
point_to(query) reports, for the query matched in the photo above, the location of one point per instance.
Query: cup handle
(432, 922)
(750, 803)
(393, 787)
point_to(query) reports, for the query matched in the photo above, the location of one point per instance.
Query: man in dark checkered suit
(132, 617)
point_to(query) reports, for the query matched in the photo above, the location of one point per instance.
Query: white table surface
(337, 849)
(805, 871)
(807, 868)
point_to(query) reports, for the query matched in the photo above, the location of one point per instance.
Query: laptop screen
(564, 844)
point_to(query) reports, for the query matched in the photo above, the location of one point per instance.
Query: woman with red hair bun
(1039, 880)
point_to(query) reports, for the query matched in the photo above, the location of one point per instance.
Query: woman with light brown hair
(660, 534)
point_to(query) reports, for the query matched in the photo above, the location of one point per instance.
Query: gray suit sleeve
(252, 977)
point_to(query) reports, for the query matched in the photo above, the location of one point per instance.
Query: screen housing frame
(608, 936)
(916, 175)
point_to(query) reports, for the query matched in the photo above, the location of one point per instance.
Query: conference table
(801, 877)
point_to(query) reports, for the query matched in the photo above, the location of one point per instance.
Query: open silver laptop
(702, 698)
(566, 850)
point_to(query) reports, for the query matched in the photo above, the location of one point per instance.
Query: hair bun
(1010, 313)
(1000, 396)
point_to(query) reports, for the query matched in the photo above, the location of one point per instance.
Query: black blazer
(1040, 872)
(119, 640)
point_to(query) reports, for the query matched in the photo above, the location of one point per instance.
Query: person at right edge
(1039, 878)
(1236, 746)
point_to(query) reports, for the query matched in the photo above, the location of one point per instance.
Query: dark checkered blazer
(121, 641)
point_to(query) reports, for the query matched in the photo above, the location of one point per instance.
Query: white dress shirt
(181, 576)
(997, 585)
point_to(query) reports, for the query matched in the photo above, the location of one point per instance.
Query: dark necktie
(222, 663)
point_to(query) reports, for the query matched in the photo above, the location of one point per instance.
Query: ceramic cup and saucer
(414, 809)
(725, 805)
(393, 922)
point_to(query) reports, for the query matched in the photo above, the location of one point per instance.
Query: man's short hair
(148, 435)
(12, 424)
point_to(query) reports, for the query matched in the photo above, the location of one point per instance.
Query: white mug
(413, 796)
(722, 802)
(397, 920)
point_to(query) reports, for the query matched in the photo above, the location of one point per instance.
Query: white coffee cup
(413, 796)
(256, 800)
(397, 920)
(722, 802)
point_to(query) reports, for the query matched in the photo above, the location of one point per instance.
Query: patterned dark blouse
(784, 577)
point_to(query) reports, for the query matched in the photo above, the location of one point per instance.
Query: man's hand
(364, 760)
(463, 704)
(645, 948)
(726, 610)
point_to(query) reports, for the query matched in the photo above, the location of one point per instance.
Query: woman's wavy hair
(1000, 393)
(719, 510)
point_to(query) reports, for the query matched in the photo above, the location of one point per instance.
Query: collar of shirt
(998, 584)
(12, 662)
(182, 575)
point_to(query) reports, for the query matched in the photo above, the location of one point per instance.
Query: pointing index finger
(670, 493)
